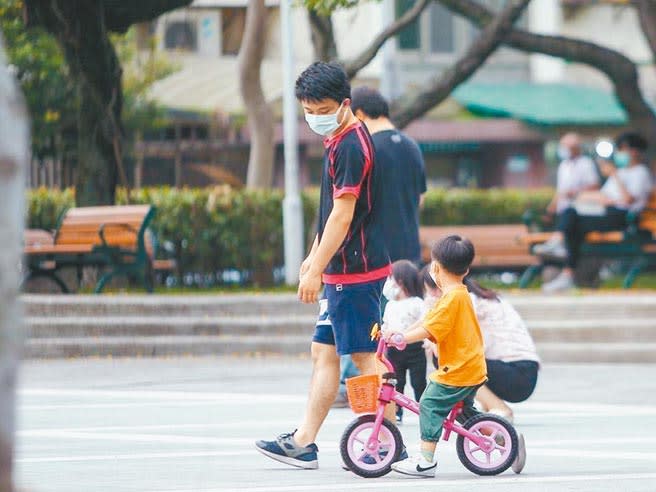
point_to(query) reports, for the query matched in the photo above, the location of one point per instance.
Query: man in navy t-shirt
(404, 178)
(349, 254)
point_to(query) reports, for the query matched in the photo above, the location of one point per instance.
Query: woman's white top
(505, 334)
(637, 181)
(399, 315)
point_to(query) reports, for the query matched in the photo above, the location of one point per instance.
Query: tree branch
(440, 87)
(362, 60)
(619, 69)
(323, 36)
(647, 15)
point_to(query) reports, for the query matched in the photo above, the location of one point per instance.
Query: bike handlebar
(397, 341)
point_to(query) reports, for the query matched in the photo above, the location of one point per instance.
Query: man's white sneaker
(562, 282)
(520, 461)
(416, 466)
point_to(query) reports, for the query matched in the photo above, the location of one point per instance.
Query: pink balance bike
(486, 444)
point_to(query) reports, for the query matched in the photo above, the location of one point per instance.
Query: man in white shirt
(627, 189)
(576, 173)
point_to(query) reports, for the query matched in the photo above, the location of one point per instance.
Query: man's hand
(309, 286)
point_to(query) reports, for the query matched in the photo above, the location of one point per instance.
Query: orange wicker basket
(363, 393)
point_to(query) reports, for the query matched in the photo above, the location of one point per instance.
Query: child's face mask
(391, 290)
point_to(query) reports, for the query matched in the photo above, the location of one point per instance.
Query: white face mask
(391, 290)
(323, 124)
(564, 153)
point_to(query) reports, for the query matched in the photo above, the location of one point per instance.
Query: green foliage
(44, 206)
(219, 228)
(39, 67)
(327, 7)
(476, 206)
(50, 92)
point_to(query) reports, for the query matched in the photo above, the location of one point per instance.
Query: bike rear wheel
(500, 450)
(366, 462)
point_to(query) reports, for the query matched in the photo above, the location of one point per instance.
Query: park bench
(116, 238)
(496, 245)
(636, 243)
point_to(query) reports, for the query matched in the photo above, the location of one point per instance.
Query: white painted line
(132, 457)
(403, 483)
(165, 395)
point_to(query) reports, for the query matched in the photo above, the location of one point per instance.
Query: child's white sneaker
(416, 466)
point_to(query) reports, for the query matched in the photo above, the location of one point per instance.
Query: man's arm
(332, 238)
(305, 266)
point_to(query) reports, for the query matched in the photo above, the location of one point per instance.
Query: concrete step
(161, 346)
(598, 352)
(166, 305)
(530, 306)
(593, 330)
(81, 326)
(158, 346)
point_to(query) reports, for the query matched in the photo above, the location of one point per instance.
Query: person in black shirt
(348, 254)
(404, 178)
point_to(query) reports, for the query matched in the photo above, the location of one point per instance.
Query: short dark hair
(370, 102)
(632, 140)
(454, 253)
(323, 80)
(406, 276)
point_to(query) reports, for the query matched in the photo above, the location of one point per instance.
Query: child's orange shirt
(452, 324)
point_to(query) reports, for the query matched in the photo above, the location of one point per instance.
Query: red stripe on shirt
(357, 278)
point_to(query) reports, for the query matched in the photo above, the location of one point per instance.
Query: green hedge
(214, 229)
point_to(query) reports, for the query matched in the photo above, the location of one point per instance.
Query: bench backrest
(495, 245)
(124, 225)
(647, 220)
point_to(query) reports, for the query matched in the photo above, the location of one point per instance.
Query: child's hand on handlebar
(395, 339)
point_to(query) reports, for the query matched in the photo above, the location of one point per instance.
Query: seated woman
(510, 354)
(627, 189)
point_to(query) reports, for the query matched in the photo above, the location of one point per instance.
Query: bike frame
(389, 394)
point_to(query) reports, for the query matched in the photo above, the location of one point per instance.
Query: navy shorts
(352, 311)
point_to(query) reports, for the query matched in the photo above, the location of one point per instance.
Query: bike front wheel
(377, 460)
(499, 451)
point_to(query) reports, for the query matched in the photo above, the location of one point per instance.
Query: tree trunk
(440, 87)
(258, 112)
(81, 28)
(323, 36)
(620, 70)
(14, 158)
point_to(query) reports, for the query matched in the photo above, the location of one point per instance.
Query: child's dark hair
(478, 290)
(406, 276)
(632, 140)
(454, 253)
(426, 276)
(370, 102)
(323, 80)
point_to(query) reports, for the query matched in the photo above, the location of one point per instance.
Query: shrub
(221, 228)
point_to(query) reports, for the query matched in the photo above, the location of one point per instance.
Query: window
(180, 35)
(409, 38)
(433, 32)
(441, 29)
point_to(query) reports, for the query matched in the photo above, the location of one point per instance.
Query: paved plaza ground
(188, 424)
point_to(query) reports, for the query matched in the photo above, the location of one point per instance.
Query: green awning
(542, 104)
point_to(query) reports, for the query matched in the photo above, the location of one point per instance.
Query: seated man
(576, 173)
(627, 189)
